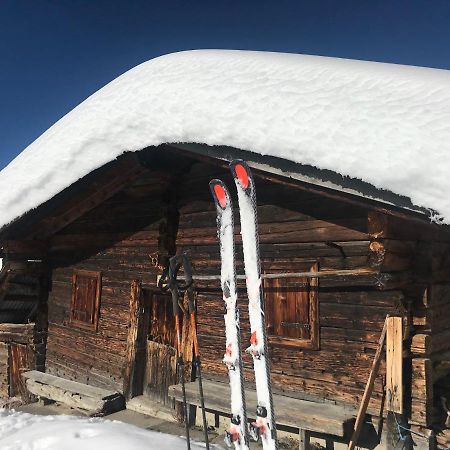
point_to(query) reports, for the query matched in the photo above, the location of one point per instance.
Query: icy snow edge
(388, 125)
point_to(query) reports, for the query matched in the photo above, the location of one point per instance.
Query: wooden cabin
(79, 280)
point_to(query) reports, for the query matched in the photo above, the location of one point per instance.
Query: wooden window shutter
(86, 291)
(292, 311)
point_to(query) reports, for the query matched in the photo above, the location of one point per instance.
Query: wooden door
(160, 370)
(19, 363)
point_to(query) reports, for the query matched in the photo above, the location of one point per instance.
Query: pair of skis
(264, 427)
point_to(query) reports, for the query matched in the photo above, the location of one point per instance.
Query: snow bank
(388, 125)
(21, 431)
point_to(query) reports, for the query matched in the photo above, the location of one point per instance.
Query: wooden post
(130, 373)
(304, 439)
(394, 366)
(368, 389)
(394, 382)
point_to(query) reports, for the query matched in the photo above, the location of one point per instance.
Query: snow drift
(22, 431)
(388, 125)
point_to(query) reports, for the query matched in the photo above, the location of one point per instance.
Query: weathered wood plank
(394, 364)
(368, 390)
(73, 394)
(21, 360)
(131, 376)
(20, 333)
(4, 370)
(291, 412)
(161, 371)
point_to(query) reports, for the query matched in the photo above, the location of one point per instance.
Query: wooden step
(289, 412)
(95, 400)
(145, 405)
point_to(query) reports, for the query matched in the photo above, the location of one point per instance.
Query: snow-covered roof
(385, 124)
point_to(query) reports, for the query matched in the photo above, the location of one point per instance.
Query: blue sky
(54, 54)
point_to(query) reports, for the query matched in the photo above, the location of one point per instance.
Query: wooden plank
(160, 371)
(19, 333)
(368, 389)
(314, 310)
(394, 364)
(81, 388)
(428, 344)
(304, 438)
(131, 377)
(20, 361)
(73, 394)
(422, 390)
(4, 370)
(295, 413)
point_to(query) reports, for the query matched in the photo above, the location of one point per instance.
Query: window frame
(313, 342)
(88, 326)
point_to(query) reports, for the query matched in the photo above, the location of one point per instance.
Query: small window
(86, 289)
(292, 311)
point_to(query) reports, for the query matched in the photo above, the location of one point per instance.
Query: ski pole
(174, 266)
(192, 313)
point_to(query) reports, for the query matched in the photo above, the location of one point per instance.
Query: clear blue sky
(54, 54)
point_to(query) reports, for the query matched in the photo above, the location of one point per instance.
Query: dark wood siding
(129, 235)
(297, 229)
(121, 239)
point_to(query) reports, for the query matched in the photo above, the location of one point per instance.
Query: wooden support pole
(309, 274)
(368, 390)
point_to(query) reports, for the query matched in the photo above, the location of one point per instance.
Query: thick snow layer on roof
(22, 431)
(388, 125)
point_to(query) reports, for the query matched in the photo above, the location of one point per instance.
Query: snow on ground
(22, 431)
(386, 124)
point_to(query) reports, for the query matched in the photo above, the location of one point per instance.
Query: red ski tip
(242, 175)
(221, 196)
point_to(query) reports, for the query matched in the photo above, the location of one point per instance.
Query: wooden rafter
(104, 188)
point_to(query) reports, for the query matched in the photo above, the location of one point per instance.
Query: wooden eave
(74, 201)
(101, 184)
(317, 181)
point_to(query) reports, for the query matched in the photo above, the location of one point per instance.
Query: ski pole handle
(189, 282)
(174, 266)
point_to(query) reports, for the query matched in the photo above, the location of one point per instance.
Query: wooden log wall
(430, 347)
(130, 234)
(122, 239)
(296, 229)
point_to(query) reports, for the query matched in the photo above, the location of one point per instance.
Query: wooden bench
(93, 400)
(307, 416)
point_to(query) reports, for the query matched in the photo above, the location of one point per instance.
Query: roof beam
(102, 189)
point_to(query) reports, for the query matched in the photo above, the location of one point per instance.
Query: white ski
(237, 433)
(264, 426)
